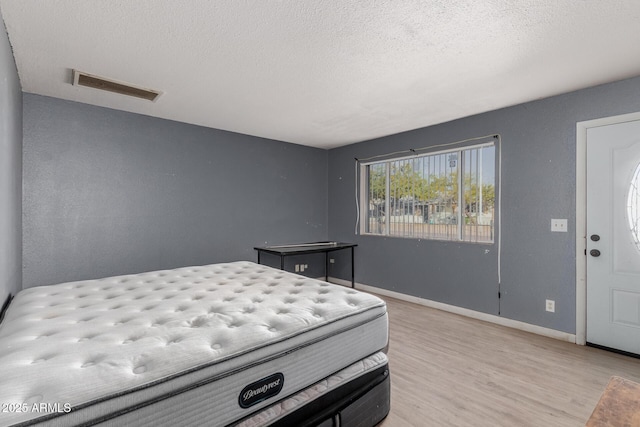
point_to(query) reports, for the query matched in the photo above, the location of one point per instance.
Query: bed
(233, 344)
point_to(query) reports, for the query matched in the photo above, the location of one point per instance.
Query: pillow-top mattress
(88, 351)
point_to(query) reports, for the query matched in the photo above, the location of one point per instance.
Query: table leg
(281, 262)
(258, 257)
(326, 266)
(353, 282)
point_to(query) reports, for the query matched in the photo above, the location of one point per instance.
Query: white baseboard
(515, 324)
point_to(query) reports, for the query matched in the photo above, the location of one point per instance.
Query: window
(448, 195)
(633, 207)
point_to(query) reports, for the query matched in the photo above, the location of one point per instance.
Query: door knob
(595, 237)
(594, 252)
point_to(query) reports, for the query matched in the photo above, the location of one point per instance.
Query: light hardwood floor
(449, 370)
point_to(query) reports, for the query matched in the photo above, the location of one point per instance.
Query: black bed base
(363, 402)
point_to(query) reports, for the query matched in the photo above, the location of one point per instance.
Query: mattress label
(261, 390)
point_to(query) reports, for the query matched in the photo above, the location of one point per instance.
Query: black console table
(309, 248)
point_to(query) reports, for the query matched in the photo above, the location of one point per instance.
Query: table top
(305, 248)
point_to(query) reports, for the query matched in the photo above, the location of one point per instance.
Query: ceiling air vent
(97, 82)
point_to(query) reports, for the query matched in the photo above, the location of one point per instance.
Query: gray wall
(538, 183)
(109, 192)
(10, 171)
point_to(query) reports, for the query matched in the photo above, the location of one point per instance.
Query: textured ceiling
(323, 73)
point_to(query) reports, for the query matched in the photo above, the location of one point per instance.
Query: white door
(613, 236)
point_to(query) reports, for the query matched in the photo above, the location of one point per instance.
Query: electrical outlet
(300, 268)
(332, 261)
(551, 306)
(559, 225)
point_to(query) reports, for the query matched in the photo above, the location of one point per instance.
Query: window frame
(363, 199)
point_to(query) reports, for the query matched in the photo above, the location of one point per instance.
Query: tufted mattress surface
(109, 346)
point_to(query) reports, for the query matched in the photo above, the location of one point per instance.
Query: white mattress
(109, 346)
(191, 410)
